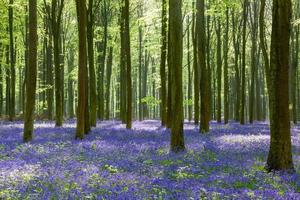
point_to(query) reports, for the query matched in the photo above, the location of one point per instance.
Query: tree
(126, 112)
(82, 73)
(56, 15)
(205, 108)
(163, 90)
(175, 65)
(1, 80)
(254, 55)
(226, 84)
(128, 65)
(196, 70)
(243, 71)
(12, 97)
(92, 75)
(108, 84)
(219, 70)
(280, 153)
(31, 72)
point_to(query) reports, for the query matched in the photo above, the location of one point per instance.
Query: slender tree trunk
(219, 70)
(254, 55)
(205, 114)
(226, 84)
(92, 75)
(102, 49)
(108, 76)
(32, 72)
(1, 81)
(243, 72)
(196, 70)
(189, 97)
(262, 39)
(12, 63)
(163, 90)
(123, 74)
(236, 66)
(128, 64)
(7, 81)
(57, 7)
(70, 85)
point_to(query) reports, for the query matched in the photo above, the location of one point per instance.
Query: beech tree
(31, 72)
(280, 154)
(175, 67)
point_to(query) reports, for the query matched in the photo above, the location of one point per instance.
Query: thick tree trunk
(280, 154)
(82, 73)
(175, 63)
(128, 65)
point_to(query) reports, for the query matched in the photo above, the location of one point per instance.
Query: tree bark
(280, 154)
(82, 63)
(163, 90)
(226, 84)
(12, 88)
(175, 63)
(32, 72)
(92, 75)
(196, 70)
(243, 71)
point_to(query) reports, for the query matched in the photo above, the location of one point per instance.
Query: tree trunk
(12, 63)
(32, 72)
(127, 54)
(163, 90)
(280, 154)
(92, 80)
(82, 72)
(243, 72)
(57, 7)
(196, 70)
(189, 96)
(205, 114)
(175, 63)
(219, 70)
(226, 84)
(70, 84)
(108, 76)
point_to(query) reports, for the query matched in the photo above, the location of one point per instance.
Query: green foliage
(150, 101)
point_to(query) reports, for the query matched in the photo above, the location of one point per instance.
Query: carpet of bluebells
(115, 163)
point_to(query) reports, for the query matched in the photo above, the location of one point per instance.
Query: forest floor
(115, 163)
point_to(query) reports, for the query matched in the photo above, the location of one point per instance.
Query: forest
(149, 99)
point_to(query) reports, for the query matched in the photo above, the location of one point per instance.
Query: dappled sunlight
(241, 142)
